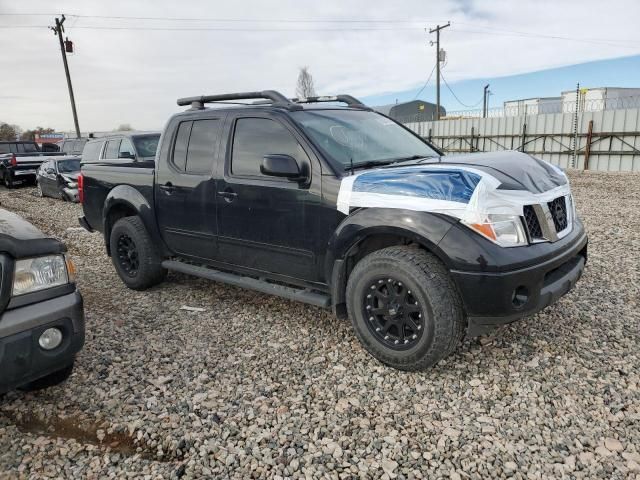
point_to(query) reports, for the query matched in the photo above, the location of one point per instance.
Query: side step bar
(301, 295)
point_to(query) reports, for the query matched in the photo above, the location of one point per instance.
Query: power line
(425, 83)
(456, 97)
(224, 29)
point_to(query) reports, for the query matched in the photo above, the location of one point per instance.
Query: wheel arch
(125, 201)
(368, 230)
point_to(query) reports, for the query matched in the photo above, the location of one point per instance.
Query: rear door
(262, 220)
(185, 189)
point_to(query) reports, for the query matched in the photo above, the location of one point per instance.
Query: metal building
(413, 111)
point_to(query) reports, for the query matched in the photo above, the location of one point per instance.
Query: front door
(46, 178)
(185, 189)
(262, 220)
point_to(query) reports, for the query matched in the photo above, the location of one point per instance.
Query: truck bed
(100, 178)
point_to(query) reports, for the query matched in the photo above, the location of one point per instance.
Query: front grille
(533, 224)
(558, 209)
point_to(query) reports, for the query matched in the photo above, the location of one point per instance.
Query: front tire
(405, 308)
(39, 191)
(134, 256)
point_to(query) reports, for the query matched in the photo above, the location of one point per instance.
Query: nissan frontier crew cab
(325, 201)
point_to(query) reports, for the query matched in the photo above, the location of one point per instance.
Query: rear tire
(404, 307)
(50, 380)
(8, 181)
(135, 257)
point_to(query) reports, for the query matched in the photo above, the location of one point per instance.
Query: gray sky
(133, 70)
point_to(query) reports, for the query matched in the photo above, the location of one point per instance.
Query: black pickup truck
(341, 207)
(19, 161)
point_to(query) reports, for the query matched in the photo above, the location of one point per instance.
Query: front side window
(6, 148)
(351, 136)
(126, 149)
(256, 137)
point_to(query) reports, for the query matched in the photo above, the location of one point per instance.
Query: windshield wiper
(368, 164)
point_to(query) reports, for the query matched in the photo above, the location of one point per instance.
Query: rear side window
(195, 145)
(180, 148)
(113, 146)
(202, 142)
(256, 137)
(28, 147)
(91, 151)
(6, 148)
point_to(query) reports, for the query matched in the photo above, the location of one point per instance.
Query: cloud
(134, 76)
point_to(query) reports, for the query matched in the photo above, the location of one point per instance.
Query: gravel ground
(257, 387)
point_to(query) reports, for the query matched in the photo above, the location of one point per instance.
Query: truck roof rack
(273, 97)
(269, 97)
(348, 99)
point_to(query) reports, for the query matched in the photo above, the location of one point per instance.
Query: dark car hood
(515, 170)
(20, 239)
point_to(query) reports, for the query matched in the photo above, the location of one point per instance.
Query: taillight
(80, 188)
(14, 160)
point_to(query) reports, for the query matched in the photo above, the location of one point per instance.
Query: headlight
(72, 184)
(40, 273)
(505, 230)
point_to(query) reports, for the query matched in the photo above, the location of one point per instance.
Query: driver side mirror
(49, 170)
(128, 155)
(280, 165)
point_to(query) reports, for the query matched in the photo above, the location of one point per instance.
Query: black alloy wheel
(394, 315)
(128, 255)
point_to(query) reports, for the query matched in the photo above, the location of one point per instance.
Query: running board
(301, 295)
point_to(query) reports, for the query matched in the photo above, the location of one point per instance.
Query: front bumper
(71, 194)
(497, 298)
(22, 360)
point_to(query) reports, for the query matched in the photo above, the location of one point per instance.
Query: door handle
(228, 196)
(167, 187)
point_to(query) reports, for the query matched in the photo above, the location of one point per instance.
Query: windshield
(69, 166)
(360, 137)
(146, 145)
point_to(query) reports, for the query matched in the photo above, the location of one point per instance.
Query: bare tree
(305, 87)
(124, 127)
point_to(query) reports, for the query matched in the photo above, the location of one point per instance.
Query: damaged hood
(514, 170)
(467, 187)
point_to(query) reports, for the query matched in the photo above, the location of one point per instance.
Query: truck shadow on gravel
(84, 432)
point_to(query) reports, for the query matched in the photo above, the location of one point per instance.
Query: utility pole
(58, 30)
(485, 101)
(437, 30)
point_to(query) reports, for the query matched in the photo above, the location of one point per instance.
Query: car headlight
(72, 184)
(39, 273)
(505, 230)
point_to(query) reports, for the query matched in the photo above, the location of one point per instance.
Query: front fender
(425, 228)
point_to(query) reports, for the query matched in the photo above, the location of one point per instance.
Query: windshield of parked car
(146, 145)
(361, 137)
(69, 166)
